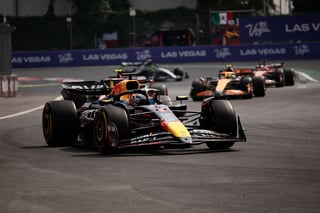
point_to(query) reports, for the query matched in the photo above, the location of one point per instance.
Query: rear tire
(289, 77)
(60, 123)
(178, 71)
(220, 117)
(279, 78)
(110, 125)
(259, 86)
(196, 87)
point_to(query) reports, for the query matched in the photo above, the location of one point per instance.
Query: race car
(154, 71)
(228, 84)
(275, 74)
(128, 118)
(70, 90)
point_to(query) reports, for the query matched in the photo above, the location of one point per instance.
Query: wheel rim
(100, 129)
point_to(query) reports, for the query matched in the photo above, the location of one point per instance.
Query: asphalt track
(276, 170)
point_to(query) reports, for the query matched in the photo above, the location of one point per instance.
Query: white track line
(306, 76)
(26, 111)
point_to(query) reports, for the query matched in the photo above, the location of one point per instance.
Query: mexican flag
(222, 18)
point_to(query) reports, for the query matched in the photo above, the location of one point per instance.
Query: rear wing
(132, 64)
(274, 65)
(87, 87)
(244, 71)
(132, 75)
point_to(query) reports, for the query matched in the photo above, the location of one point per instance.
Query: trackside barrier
(8, 85)
(179, 54)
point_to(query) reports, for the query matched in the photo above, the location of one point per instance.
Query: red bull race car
(228, 84)
(131, 116)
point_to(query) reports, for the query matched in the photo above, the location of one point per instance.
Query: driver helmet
(230, 75)
(229, 67)
(137, 99)
(148, 62)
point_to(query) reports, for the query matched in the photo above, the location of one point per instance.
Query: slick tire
(60, 123)
(247, 86)
(259, 86)
(279, 78)
(289, 77)
(196, 87)
(178, 71)
(221, 118)
(110, 125)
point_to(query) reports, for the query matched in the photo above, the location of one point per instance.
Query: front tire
(247, 86)
(220, 117)
(110, 125)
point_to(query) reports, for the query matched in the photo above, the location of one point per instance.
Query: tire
(244, 87)
(279, 78)
(289, 77)
(196, 87)
(259, 86)
(60, 123)
(178, 71)
(110, 125)
(220, 117)
(163, 89)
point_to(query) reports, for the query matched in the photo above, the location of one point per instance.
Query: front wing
(198, 136)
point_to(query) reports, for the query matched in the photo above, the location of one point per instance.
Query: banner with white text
(279, 29)
(184, 54)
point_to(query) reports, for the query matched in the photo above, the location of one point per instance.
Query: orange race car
(229, 84)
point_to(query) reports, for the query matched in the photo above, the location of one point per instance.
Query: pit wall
(184, 54)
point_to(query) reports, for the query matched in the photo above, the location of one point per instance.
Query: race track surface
(276, 170)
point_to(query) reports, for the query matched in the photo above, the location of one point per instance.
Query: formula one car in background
(129, 117)
(229, 84)
(154, 71)
(275, 74)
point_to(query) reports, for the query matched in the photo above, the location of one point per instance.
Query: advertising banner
(279, 29)
(184, 54)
